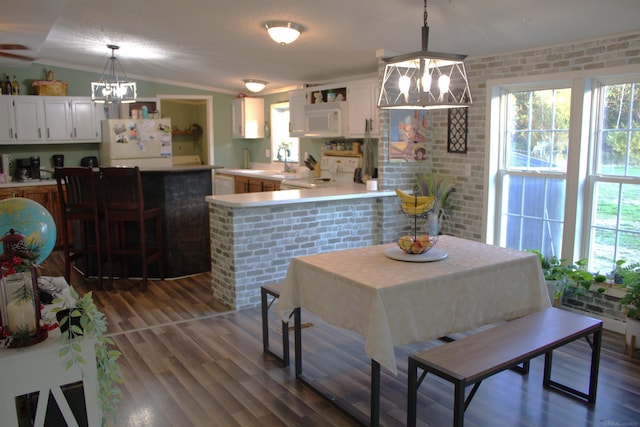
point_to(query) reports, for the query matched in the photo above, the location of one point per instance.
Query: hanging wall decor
(457, 140)
(408, 136)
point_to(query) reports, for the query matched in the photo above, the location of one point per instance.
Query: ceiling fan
(11, 46)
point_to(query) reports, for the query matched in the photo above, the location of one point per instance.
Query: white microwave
(326, 119)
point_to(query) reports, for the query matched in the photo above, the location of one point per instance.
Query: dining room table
(392, 298)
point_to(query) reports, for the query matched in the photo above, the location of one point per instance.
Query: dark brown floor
(187, 361)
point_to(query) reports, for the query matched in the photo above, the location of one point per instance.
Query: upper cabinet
(297, 101)
(358, 97)
(49, 119)
(363, 105)
(28, 112)
(247, 118)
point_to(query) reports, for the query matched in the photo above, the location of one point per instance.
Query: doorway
(192, 122)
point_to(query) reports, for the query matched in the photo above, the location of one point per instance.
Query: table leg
(341, 405)
(375, 393)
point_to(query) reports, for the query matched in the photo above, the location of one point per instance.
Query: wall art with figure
(408, 136)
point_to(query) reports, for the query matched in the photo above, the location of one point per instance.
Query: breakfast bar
(254, 235)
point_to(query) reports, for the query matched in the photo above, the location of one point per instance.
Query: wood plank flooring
(189, 361)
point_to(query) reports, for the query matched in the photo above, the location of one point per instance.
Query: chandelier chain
(426, 14)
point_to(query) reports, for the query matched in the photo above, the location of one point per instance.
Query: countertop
(172, 169)
(274, 175)
(285, 197)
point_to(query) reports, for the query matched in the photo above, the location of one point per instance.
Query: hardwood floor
(188, 361)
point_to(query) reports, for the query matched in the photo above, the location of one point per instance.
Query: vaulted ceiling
(214, 44)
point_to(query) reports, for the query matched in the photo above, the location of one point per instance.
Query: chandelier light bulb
(443, 84)
(426, 82)
(404, 83)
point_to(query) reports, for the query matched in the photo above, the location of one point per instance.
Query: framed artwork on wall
(457, 139)
(408, 136)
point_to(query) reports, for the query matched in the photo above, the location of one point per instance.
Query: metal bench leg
(265, 320)
(458, 405)
(285, 343)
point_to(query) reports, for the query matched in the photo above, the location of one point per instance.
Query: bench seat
(471, 359)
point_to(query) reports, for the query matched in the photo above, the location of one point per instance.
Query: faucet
(286, 154)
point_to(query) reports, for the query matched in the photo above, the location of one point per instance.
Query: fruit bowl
(415, 245)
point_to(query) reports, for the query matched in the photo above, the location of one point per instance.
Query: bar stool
(125, 216)
(79, 204)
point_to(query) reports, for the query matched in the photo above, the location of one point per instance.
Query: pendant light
(424, 80)
(283, 32)
(254, 86)
(113, 86)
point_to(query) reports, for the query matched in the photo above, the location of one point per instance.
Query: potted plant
(561, 275)
(82, 318)
(430, 184)
(631, 303)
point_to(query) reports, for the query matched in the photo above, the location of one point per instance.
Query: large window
(615, 181)
(281, 143)
(564, 168)
(532, 171)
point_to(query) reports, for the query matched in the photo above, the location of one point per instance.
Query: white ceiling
(214, 44)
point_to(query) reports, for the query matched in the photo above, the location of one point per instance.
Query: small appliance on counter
(58, 160)
(34, 167)
(90, 162)
(23, 169)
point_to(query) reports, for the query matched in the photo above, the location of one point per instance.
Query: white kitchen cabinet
(85, 120)
(71, 119)
(29, 119)
(49, 119)
(57, 119)
(297, 101)
(7, 121)
(248, 118)
(363, 106)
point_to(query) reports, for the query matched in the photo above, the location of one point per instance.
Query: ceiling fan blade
(13, 46)
(14, 56)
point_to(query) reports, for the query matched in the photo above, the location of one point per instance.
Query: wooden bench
(471, 359)
(273, 291)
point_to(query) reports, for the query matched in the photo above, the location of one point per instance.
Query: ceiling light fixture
(113, 86)
(254, 85)
(283, 32)
(424, 80)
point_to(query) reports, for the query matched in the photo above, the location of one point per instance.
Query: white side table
(38, 368)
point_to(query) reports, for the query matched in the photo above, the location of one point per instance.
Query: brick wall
(467, 201)
(253, 246)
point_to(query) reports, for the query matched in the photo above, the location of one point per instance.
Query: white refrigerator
(143, 142)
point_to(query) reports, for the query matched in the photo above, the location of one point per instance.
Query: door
(297, 101)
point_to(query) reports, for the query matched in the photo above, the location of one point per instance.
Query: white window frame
(580, 158)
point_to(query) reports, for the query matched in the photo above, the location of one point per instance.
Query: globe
(30, 219)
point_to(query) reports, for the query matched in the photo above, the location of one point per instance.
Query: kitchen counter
(29, 183)
(260, 173)
(341, 191)
(253, 236)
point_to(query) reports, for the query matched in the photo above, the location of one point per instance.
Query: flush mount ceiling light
(424, 80)
(254, 85)
(113, 85)
(283, 32)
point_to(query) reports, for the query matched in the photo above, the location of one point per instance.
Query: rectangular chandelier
(105, 92)
(424, 80)
(110, 88)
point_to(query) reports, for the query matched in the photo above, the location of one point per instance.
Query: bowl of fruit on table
(414, 245)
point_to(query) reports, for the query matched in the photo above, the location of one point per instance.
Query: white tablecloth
(393, 303)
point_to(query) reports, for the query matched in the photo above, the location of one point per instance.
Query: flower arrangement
(21, 320)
